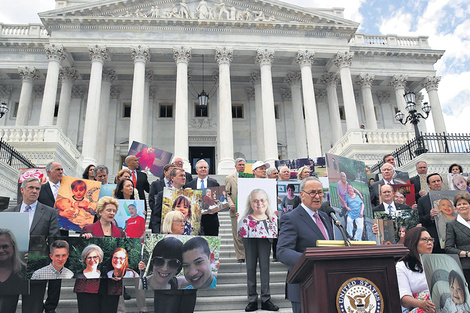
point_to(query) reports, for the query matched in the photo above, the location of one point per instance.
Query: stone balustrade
(390, 41)
(29, 31)
(44, 144)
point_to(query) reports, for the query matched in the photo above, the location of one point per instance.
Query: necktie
(56, 190)
(320, 225)
(390, 208)
(202, 184)
(134, 179)
(169, 184)
(27, 208)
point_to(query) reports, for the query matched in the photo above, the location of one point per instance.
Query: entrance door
(206, 153)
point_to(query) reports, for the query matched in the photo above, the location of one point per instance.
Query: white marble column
(113, 121)
(98, 55)
(305, 60)
(28, 76)
(331, 81)
(224, 56)
(431, 83)
(265, 58)
(5, 97)
(255, 79)
(74, 131)
(365, 81)
(343, 61)
(68, 75)
(108, 77)
(399, 84)
(55, 54)
(140, 55)
(147, 114)
(294, 81)
(182, 56)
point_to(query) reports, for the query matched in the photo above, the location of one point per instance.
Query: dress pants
(8, 303)
(175, 301)
(33, 303)
(257, 249)
(237, 241)
(97, 303)
(210, 224)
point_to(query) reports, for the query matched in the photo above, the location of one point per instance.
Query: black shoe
(275, 260)
(241, 260)
(126, 296)
(252, 306)
(269, 306)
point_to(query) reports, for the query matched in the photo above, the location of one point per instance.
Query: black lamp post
(3, 109)
(413, 117)
(203, 96)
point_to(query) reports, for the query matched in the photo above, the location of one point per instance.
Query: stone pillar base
(225, 167)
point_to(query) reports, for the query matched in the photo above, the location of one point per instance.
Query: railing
(389, 41)
(429, 143)
(10, 156)
(30, 31)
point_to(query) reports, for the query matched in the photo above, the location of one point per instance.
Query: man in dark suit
(178, 162)
(42, 222)
(422, 169)
(426, 213)
(390, 159)
(388, 172)
(300, 229)
(388, 205)
(49, 190)
(158, 185)
(209, 222)
(178, 180)
(139, 178)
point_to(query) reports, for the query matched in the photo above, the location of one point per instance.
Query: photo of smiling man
(59, 253)
(197, 265)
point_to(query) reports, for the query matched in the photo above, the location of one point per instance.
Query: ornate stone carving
(140, 54)
(202, 124)
(265, 56)
(68, 74)
(78, 92)
(286, 94)
(431, 82)
(293, 78)
(5, 92)
(115, 92)
(419, 98)
(109, 75)
(98, 53)
(152, 92)
(365, 80)
(329, 79)
(215, 77)
(149, 76)
(255, 77)
(399, 81)
(38, 91)
(28, 73)
(343, 59)
(304, 58)
(223, 55)
(383, 96)
(55, 52)
(182, 54)
(250, 92)
(320, 95)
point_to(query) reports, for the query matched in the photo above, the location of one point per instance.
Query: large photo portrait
(151, 160)
(443, 201)
(214, 199)
(302, 168)
(76, 202)
(14, 242)
(182, 205)
(130, 217)
(458, 181)
(180, 262)
(257, 204)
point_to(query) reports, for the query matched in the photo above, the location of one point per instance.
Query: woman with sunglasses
(167, 262)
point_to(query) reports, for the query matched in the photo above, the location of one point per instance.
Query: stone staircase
(229, 296)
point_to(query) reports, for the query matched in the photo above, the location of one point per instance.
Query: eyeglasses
(4, 247)
(260, 201)
(428, 240)
(94, 258)
(179, 221)
(172, 263)
(314, 193)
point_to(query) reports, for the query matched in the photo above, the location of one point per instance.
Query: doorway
(206, 153)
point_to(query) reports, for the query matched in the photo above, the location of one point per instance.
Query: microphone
(325, 207)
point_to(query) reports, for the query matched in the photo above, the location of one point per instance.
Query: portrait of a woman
(259, 220)
(183, 205)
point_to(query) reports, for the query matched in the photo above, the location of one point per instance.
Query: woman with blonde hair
(106, 209)
(303, 173)
(173, 223)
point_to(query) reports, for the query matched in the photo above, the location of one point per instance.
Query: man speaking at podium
(300, 229)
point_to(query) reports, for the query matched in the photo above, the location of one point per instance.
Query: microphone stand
(347, 243)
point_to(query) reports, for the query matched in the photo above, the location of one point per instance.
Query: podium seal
(359, 295)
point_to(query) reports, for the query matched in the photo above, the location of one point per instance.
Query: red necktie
(134, 179)
(320, 225)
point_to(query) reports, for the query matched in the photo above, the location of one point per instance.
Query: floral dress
(251, 228)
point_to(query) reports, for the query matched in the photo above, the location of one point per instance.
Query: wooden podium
(348, 273)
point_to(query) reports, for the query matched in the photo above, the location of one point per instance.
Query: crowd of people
(301, 223)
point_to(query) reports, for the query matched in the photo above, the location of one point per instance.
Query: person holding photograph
(458, 233)
(167, 263)
(457, 303)
(412, 285)
(183, 205)
(174, 223)
(303, 173)
(12, 272)
(258, 221)
(106, 209)
(124, 189)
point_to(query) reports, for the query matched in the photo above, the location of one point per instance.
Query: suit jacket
(46, 196)
(209, 222)
(193, 184)
(156, 217)
(231, 188)
(458, 239)
(398, 206)
(374, 190)
(298, 232)
(45, 222)
(424, 213)
(155, 188)
(416, 180)
(142, 184)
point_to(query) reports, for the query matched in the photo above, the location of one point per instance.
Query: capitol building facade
(283, 82)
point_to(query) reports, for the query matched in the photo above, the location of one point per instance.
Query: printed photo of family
(180, 262)
(151, 160)
(257, 204)
(181, 205)
(214, 199)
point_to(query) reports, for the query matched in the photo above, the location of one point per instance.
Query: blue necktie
(202, 184)
(390, 208)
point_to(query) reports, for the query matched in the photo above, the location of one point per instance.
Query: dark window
(166, 110)
(56, 110)
(126, 109)
(276, 111)
(237, 110)
(15, 109)
(341, 114)
(200, 111)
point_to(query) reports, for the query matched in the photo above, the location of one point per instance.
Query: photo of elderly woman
(442, 201)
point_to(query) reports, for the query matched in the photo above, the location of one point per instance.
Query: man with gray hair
(101, 174)
(49, 190)
(231, 186)
(388, 178)
(272, 172)
(421, 169)
(178, 162)
(284, 173)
